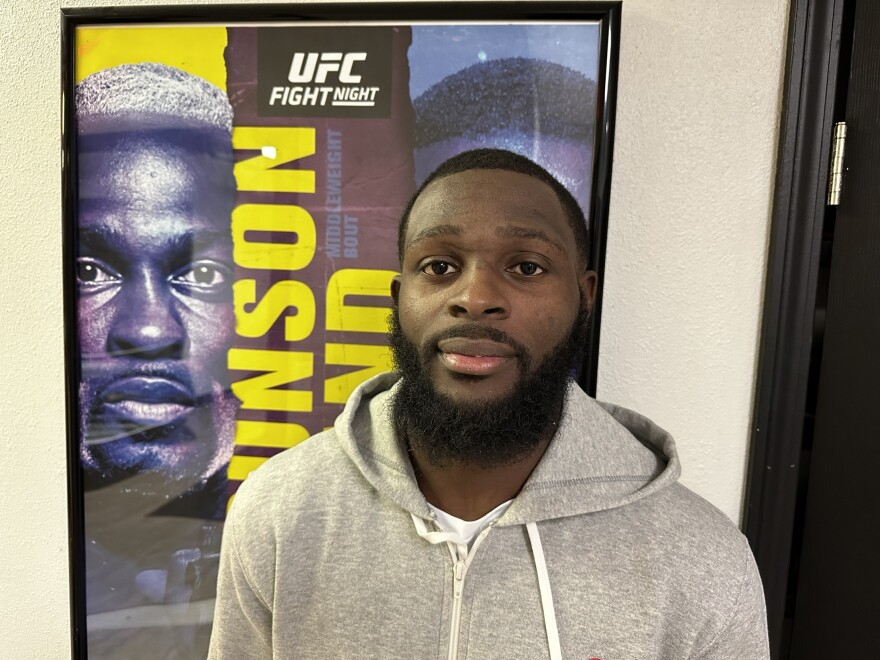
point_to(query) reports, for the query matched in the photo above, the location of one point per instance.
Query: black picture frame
(607, 13)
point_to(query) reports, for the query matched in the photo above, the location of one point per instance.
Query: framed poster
(234, 178)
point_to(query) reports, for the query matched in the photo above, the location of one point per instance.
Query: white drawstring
(546, 594)
(457, 549)
(433, 537)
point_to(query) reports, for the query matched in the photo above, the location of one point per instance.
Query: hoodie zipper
(460, 563)
(458, 571)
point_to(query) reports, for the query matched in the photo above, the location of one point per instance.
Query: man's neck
(469, 491)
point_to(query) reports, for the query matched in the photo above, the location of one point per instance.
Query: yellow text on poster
(197, 50)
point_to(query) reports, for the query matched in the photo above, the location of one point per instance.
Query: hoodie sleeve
(744, 634)
(242, 618)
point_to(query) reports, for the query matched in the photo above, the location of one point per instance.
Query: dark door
(838, 591)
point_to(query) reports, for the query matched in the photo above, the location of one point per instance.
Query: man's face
(155, 313)
(491, 282)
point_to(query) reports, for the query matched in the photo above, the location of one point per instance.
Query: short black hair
(508, 94)
(501, 159)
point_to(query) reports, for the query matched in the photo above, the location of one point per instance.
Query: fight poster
(237, 194)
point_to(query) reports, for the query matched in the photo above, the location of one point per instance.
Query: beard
(487, 433)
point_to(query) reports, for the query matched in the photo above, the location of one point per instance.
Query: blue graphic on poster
(527, 88)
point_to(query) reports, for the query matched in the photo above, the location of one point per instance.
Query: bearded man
(477, 503)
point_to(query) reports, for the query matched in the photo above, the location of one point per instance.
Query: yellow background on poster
(197, 50)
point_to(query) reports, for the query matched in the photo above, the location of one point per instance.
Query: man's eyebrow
(104, 242)
(514, 231)
(432, 232)
(108, 240)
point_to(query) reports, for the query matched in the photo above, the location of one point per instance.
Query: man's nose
(146, 324)
(479, 292)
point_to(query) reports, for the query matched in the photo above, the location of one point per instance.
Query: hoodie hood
(602, 457)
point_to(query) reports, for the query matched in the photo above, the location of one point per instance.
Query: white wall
(697, 128)
(699, 98)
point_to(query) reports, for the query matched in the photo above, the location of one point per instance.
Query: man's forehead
(468, 198)
(152, 172)
(146, 174)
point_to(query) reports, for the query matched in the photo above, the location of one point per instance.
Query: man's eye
(204, 275)
(528, 268)
(89, 271)
(439, 268)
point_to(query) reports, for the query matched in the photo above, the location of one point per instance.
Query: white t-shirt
(467, 530)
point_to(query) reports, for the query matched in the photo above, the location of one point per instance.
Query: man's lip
(147, 389)
(474, 357)
(147, 400)
(475, 347)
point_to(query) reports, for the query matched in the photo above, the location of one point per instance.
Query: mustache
(474, 331)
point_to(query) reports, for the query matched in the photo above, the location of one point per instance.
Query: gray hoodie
(330, 551)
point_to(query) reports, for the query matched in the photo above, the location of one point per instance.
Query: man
(479, 504)
(155, 321)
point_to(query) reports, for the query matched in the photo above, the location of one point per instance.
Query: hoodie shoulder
(689, 521)
(326, 453)
(598, 460)
(289, 476)
(337, 469)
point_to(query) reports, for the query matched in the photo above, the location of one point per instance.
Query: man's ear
(395, 288)
(589, 283)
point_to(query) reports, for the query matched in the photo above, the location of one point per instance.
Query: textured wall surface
(699, 97)
(694, 159)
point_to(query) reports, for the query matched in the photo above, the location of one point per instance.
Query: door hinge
(835, 176)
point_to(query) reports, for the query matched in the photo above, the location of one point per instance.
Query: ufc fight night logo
(331, 72)
(315, 68)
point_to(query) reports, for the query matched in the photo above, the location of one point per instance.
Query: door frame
(798, 215)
